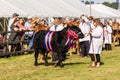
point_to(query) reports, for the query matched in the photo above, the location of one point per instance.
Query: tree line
(112, 4)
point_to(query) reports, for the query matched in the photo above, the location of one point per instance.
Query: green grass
(76, 68)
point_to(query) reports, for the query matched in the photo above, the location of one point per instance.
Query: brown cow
(116, 31)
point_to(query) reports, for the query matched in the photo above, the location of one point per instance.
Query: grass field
(76, 68)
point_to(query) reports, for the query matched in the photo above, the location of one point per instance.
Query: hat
(15, 14)
(29, 17)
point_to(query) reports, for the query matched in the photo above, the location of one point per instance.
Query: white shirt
(58, 28)
(85, 28)
(28, 25)
(11, 20)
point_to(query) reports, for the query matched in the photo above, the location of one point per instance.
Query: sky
(101, 1)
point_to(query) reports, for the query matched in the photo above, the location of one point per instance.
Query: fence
(4, 43)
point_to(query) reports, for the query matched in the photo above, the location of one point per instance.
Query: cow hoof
(35, 64)
(46, 64)
(56, 65)
(61, 66)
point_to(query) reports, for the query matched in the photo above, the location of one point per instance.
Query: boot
(98, 64)
(107, 46)
(93, 64)
(110, 47)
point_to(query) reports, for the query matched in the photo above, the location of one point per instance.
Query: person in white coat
(85, 42)
(107, 36)
(57, 26)
(96, 43)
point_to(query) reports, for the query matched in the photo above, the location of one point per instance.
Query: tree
(112, 5)
(87, 2)
(106, 3)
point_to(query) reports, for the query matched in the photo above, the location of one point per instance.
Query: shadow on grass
(117, 45)
(74, 63)
(65, 64)
(101, 63)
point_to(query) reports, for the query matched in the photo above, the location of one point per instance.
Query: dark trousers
(108, 47)
(93, 56)
(85, 45)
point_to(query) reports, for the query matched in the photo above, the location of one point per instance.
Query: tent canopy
(6, 9)
(104, 9)
(84, 9)
(61, 7)
(33, 7)
(53, 8)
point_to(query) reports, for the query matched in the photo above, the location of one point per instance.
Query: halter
(71, 35)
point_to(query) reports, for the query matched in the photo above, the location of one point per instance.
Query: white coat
(97, 40)
(85, 28)
(11, 20)
(107, 35)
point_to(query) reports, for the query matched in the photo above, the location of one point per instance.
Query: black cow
(58, 43)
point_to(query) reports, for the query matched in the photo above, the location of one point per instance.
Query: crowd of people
(94, 32)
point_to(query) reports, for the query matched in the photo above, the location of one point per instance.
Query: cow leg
(60, 64)
(60, 58)
(77, 47)
(45, 58)
(119, 39)
(50, 55)
(114, 39)
(36, 57)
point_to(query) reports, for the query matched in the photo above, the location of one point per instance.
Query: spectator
(16, 36)
(108, 36)
(29, 34)
(43, 22)
(11, 21)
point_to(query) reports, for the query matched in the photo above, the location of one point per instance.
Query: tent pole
(90, 9)
(49, 22)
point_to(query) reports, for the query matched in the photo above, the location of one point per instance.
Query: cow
(116, 32)
(59, 43)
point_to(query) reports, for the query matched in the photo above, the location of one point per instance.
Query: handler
(96, 43)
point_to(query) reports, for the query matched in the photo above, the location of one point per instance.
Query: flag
(92, 1)
(82, 1)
